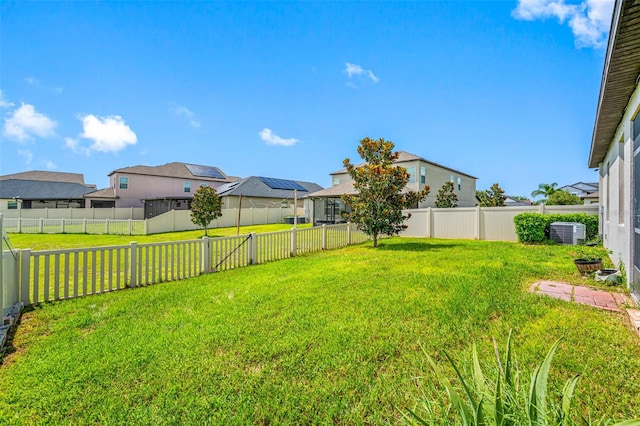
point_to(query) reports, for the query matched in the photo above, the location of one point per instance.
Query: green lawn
(60, 241)
(331, 337)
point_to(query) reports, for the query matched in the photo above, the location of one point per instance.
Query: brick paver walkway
(579, 294)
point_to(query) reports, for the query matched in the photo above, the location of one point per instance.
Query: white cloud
(32, 81)
(50, 165)
(184, 112)
(272, 139)
(4, 102)
(109, 134)
(74, 145)
(589, 20)
(27, 155)
(356, 70)
(26, 122)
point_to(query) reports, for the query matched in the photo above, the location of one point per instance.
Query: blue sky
(505, 90)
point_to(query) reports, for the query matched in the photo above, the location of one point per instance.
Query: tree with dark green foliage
(446, 197)
(377, 206)
(205, 207)
(492, 197)
(563, 198)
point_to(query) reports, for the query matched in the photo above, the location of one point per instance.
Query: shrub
(535, 227)
(530, 227)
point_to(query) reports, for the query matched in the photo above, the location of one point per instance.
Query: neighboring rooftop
(178, 170)
(404, 157)
(263, 187)
(42, 190)
(107, 193)
(346, 188)
(47, 176)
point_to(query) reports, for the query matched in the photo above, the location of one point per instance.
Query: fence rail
(49, 275)
(175, 220)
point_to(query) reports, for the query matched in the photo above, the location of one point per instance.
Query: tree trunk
(375, 240)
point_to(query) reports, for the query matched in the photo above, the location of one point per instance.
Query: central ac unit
(567, 232)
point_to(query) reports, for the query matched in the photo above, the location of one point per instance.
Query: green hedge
(534, 227)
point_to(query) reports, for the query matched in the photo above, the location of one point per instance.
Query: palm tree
(545, 190)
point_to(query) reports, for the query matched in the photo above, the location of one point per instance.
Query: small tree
(563, 198)
(446, 197)
(205, 207)
(492, 197)
(377, 206)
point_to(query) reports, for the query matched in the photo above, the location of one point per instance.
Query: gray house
(615, 144)
(36, 194)
(261, 192)
(43, 189)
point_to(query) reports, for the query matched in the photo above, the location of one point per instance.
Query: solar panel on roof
(274, 183)
(205, 171)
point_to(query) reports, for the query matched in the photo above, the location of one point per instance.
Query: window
(423, 174)
(412, 174)
(336, 181)
(451, 179)
(459, 184)
(12, 205)
(187, 187)
(203, 185)
(124, 182)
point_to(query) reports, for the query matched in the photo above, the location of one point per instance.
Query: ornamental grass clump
(507, 400)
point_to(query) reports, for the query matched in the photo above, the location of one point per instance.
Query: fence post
(106, 226)
(253, 249)
(40, 225)
(3, 284)
(130, 226)
(206, 255)
(348, 233)
(84, 225)
(478, 217)
(541, 208)
(62, 225)
(133, 267)
(293, 242)
(324, 236)
(429, 220)
(25, 263)
(20, 224)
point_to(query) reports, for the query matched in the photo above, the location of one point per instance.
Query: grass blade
(455, 400)
(567, 397)
(538, 389)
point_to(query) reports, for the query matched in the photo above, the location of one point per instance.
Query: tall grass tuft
(504, 401)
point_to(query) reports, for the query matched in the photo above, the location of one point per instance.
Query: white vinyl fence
(175, 220)
(479, 223)
(63, 274)
(8, 273)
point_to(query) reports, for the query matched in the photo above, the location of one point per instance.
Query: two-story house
(157, 188)
(327, 206)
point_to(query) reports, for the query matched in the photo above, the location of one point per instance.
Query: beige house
(615, 144)
(327, 206)
(131, 186)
